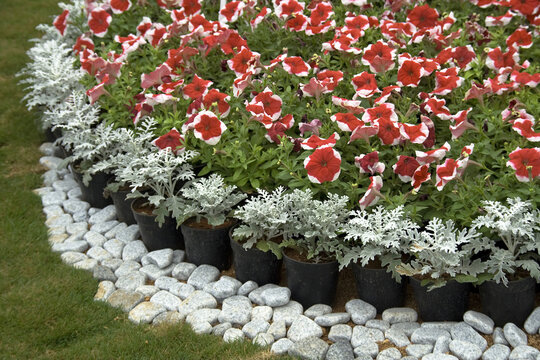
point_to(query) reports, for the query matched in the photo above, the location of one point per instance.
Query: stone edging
(91, 239)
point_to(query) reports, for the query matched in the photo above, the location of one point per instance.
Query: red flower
(289, 7)
(416, 134)
(60, 22)
(382, 111)
(144, 26)
(297, 23)
(446, 81)
(405, 167)
(526, 7)
(369, 163)
(207, 127)
(170, 87)
(314, 142)
(364, 84)
(524, 127)
(379, 57)
(323, 165)
(260, 17)
(432, 155)
(372, 194)
(420, 176)
(219, 99)
(386, 92)
(270, 103)
(430, 141)
(232, 11)
(83, 42)
(461, 124)
(446, 172)
(233, 43)
(520, 38)
(173, 139)
(99, 21)
(502, 20)
(523, 78)
(464, 56)
(437, 107)
(322, 12)
(119, 6)
(156, 77)
(191, 7)
(330, 79)
(156, 35)
(95, 93)
(296, 66)
(526, 163)
(423, 16)
(241, 83)
(352, 106)
(197, 88)
(388, 131)
(243, 61)
(409, 73)
(346, 121)
(364, 132)
(355, 25)
(314, 88)
(177, 58)
(496, 59)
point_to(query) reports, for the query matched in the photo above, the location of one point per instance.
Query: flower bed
(313, 110)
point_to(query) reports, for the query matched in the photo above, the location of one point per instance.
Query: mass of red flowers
(382, 91)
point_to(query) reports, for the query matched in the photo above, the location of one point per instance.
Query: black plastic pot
(447, 303)
(508, 304)
(311, 283)
(377, 287)
(254, 264)
(123, 206)
(93, 193)
(156, 237)
(207, 246)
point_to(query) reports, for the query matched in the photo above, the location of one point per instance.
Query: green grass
(46, 308)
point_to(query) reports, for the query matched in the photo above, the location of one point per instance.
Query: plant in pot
(374, 243)
(156, 179)
(207, 210)
(265, 221)
(310, 255)
(441, 269)
(512, 254)
(133, 143)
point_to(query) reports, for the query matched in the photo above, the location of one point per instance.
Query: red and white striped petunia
(420, 176)
(380, 57)
(173, 140)
(381, 111)
(197, 88)
(232, 11)
(214, 98)
(119, 6)
(260, 17)
(245, 60)
(266, 103)
(95, 93)
(365, 84)
(287, 8)
(323, 165)
(446, 81)
(352, 106)
(446, 173)
(314, 142)
(207, 127)
(431, 156)
(60, 22)
(294, 65)
(416, 134)
(526, 163)
(369, 163)
(159, 76)
(405, 167)
(346, 121)
(524, 127)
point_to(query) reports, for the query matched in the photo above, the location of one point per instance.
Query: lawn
(47, 309)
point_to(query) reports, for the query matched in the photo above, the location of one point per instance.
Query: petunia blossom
(416, 134)
(173, 140)
(434, 155)
(405, 167)
(372, 194)
(409, 74)
(294, 65)
(524, 127)
(119, 6)
(446, 173)
(207, 127)
(369, 163)
(323, 165)
(526, 163)
(156, 77)
(314, 142)
(99, 21)
(219, 100)
(60, 22)
(352, 106)
(267, 103)
(346, 121)
(364, 84)
(197, 88)
(232, 11)
(245, 60)
(379, 57)
(423, 16)
(420, 176)
(381, 111)
(95, 93)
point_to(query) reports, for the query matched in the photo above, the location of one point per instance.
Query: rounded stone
(365, 347)
(389, 354)
(165, 282)
(127, 267)
(303, 327)
(247, 287)
(147, 290)
(397, 337)
(360, 311)
(399, 315)
(255, 295)
(465, 332)
(480, 322)
(183, 270)
(496, 352)
(131, 281)
(498, 336)
(94, 238)
(340, 332)
(263, 339)
(72, 257)
(332, 319)
(168, 317)
(108, 213)
(134, 251)
(380, 324)
(524, 352)
(232, 335)
(195, 301)
(465, 350)
(125, 300)
(439, 357)
(203, 275)
(103, 273)
(205, 315)
(278, 296)
(341, 350)
(115, 247)
(220, 329)
(167, 300)
(428, 336)
(99, 253)
(145, 312)
(311, 348)
(532, 324)
(162, 258)
(419, 350)
(254, 327)
(288, 313)
(317, 310)
(361, 334)
(181, 290)
(262, 312)
(201, 327)
(73, 206)
(128, 234)
(514, 335)
(72, 246)
(105, 289)
(277, 329)
(281, 346)
(236, 310)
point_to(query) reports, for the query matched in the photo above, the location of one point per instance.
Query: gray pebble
(134, 250)
(65, 185)
(112, 264)
(153, 272)
(74, 193)
(366, 347)
(480, 322)
(127, 267)
(178, 256)
(60, 220)
(419, 350)
(465, 332)
(254, 327)
(99, 253)
(108, 213)
(263, 339)
(397, 337)
(162, 258)
(360, 311)
(53, 198)
(532, 324)
(333, 319)
(288, 313)
(165, 282)
(341, 350)
(236, 310)
(278, 296)
(112, 233)
(80, 216)
(232, 335)
(438, 357)
(303, 327)
(524, 352)
(340, 332)
(53, 210)
(183, 270)
(255, 295)
(440, 325)
(407, 328)
(442, 345)
(247, 287)
(465, 350)
(281, 346)
(131, 281)
(103, 227)
(428, 336)
(498, 336)
(514, 335)
(115, 247)
(399, 315)
(225, 287)
(201, 327)
(317, 310)
(496, 352)
(378, 324)
(262, 312)
(73, 206)
(389, 354)
(51, 162)
(76, 228)
(147, 290)
(277, 329)
(145, 312)
(72, 257)
(94, 238)
(125, 300)
(105, 289)
(204, 315)
(102, 273)
(129, 234)
(361, 334)
(195, 301)
(87, 264)
(203, 275)
(49, 177)
(220, 329)
(168, 317)
(76, 246)
(309, 349)
(181, 290)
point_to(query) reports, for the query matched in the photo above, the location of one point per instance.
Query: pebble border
(92, 239)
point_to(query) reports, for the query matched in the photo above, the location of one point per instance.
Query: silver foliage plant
(380, 234)
(210, 198)
(265, 219)
(441, 252)
(317, 225)
(158, 176)
(517, 228)
(50, 75)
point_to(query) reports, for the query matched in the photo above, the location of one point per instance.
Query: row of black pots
(313, 283)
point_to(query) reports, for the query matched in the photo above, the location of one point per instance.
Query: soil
(203, 224)
(143, 207)
(301, 257)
